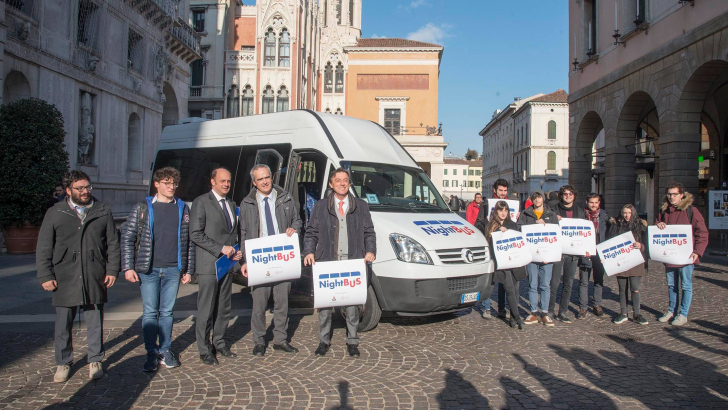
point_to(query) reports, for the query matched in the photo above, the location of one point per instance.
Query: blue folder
(224, 264)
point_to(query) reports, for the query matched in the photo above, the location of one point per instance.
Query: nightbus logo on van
(341, 279)
(275, 253)
(510, 243)
(444, 228)
(572, 231)
(538, 237)
(670, 239)
(617, 250)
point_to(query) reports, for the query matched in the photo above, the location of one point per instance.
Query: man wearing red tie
(340, 228)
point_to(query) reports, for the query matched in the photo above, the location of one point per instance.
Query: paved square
(443, 362)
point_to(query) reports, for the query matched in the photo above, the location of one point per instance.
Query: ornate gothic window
(248, 101)
(269, 99)
(339, 112)
(339, 78)
(328, 78)
(326, 12)
(284, 49)
(233, 98)
(338, 12)
(282, 104)
(551, 161)
(270, 49)
(552, 130)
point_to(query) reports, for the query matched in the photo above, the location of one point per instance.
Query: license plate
(469, 297)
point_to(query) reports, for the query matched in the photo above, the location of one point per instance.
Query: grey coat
(78, 255)
(322, 232)
(209, 232)
(249, 220)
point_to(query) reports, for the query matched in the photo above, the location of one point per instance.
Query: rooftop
(558, 96)
(393, 42)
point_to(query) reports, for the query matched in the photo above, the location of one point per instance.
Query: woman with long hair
(500, 219)
(631, 279)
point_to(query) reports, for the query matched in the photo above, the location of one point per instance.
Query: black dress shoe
(259, 350)
(286, 347)
(353, 350)
(322, 349)
(225, 351)
(208, 359)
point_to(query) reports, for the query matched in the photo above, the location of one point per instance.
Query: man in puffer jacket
(155, 250)
(677, 209)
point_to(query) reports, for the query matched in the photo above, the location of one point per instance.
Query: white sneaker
(486, 315)
(95, 371)
(680, 320)
(62, 374)
(665, 317)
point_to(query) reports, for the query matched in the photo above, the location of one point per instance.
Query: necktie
(227, 214)
(341, 208)
(269, 219)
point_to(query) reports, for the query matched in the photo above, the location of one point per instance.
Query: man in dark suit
(268, 210)
(214, 230)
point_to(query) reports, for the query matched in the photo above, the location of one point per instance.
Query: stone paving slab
(452, 361)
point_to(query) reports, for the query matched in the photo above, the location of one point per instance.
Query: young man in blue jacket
(155, 251)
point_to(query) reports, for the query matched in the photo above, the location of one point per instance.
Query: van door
(273, 159)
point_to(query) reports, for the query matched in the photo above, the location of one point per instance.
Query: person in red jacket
(677, 209)
(472, 212)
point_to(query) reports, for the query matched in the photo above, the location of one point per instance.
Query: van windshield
(391, 188)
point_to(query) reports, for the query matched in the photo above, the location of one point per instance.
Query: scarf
(594, 218)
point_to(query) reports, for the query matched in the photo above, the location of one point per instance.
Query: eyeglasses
(82, 188)
(172, 184)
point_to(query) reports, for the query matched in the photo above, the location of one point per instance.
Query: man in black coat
(600, 219)
(340, 228)
(566, 208)
(268, 210)
(78, 259)
(213, 229)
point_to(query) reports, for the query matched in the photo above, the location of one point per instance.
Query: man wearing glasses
(568, 265)
(677, 209)
(155, 251)
(77, 258)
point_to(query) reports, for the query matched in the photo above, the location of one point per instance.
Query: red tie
(341, 208)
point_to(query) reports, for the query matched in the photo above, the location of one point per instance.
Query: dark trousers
(352, 323)
(261, 294)
(597, 272)
(566, 269)
(510, 289)
(93, 315)
(631, 283)
(213, 311)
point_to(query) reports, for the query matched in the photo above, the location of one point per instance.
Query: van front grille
(454, 256)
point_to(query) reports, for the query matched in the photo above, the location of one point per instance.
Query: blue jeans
(539, 283)
(159, 293)
(685, 276)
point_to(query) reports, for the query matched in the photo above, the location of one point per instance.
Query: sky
(494, 51)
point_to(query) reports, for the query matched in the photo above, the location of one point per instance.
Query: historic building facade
(118, 71)
(655, 95)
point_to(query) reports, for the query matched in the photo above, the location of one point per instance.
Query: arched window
(328, 78)
(282, 99)
(134, 147)
(270, 49)
(351, 12)
(551, 161)
(552, 130)
(339, 78)
(233, 102)
(248, 101)
(284, 49)
(339, 112)
(328, 110)
(269, 100)
(338, 12)
(16, 87)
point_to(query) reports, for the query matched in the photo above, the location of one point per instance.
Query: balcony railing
(240, 58)
(159, 12)
(184, 41)
(195, 91)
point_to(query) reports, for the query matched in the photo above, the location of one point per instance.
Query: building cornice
(392, 98)
(356, 49)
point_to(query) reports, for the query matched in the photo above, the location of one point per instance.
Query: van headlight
(409, 250)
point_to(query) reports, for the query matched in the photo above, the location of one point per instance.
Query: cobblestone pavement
(443, 362)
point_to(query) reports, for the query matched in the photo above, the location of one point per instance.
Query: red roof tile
(392, 42)
(558, 96)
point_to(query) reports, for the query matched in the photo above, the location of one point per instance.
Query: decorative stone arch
(15, 87)
(170, 112)
(581, 153)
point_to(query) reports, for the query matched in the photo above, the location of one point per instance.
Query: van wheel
(370, 313)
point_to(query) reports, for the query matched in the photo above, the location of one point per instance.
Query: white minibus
(429, 260)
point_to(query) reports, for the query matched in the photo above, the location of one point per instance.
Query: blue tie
(227, 214)
(269, 219)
